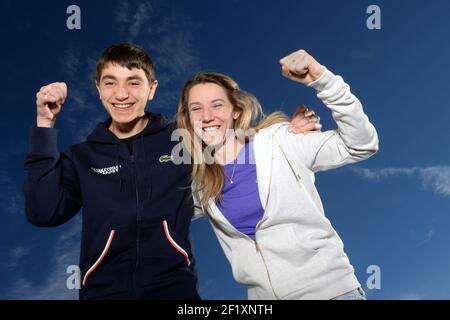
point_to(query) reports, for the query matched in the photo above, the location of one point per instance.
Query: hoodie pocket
(174, 244)
(292, 265)
(99, 260)
(162, 250)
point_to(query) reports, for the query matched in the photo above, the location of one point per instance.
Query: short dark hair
(126, 55)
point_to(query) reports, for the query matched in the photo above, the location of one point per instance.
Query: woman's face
(211, 113)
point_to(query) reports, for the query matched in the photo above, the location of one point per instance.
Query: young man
(137, 204)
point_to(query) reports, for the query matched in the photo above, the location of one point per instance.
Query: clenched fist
(49, 100)
(300, 66)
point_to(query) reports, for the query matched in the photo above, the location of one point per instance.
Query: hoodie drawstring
(119, 163)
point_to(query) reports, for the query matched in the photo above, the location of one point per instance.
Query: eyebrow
(135, 78)
(107, 77)
(194, 103)
(110, 77)
(215, 100)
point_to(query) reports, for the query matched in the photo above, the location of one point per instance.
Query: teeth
(122, 105)
(210, 129)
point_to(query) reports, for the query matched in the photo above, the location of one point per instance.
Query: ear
(236, 114)
(153, 87)
(97, 85)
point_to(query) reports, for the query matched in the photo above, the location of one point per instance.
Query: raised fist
(300, 66)
(49, 100)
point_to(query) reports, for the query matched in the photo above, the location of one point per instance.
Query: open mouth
(210, 129)
(123, 106)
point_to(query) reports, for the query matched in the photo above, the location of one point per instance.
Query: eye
(109, 83)
(218, 105)
(195, 108)
(134, 84)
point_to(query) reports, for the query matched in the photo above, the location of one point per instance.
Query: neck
(229, 151)
(126, 130)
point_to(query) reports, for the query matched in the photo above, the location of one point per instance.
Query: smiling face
(125, 92)
(211, 112)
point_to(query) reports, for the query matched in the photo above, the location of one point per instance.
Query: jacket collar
(101, 134)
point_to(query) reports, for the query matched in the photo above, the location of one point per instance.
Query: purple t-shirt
(241, 204)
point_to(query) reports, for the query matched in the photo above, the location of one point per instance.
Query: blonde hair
(210, 178)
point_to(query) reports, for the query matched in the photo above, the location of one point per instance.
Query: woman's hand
(305, 121)
(300, 66)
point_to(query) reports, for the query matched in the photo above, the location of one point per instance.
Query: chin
(210, 140)
(213, 142)
(121, 119)
(124, 118)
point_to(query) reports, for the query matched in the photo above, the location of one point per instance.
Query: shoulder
(303, 142)
(76, 147)
(275, 129)
(172, 126)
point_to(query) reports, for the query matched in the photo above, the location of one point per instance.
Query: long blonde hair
(210, 178)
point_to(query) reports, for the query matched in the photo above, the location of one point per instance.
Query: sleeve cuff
(324, 82)
(43, 141)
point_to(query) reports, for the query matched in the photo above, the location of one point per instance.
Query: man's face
(125, 92)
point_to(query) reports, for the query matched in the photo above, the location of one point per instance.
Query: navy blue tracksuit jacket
(136, 209)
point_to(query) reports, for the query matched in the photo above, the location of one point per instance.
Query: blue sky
(392, 211)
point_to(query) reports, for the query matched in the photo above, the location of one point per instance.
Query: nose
(207, 115)
(121, 93)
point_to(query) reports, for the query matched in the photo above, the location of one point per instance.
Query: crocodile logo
(165, 158)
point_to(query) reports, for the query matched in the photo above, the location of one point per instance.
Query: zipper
(258, 249)
(138, 218)
(138, 225)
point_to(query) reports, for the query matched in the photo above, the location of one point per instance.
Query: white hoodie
(297, 253)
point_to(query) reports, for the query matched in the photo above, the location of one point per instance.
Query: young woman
(259, 193)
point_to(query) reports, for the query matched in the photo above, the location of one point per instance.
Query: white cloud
(377, 174)
(412, 296)
(131, 21)
(15, 205)
(436, 178)
(122, 13)
(15, 257)
(53, 285)
(140, 17)
(70, 61)
(430, 233)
